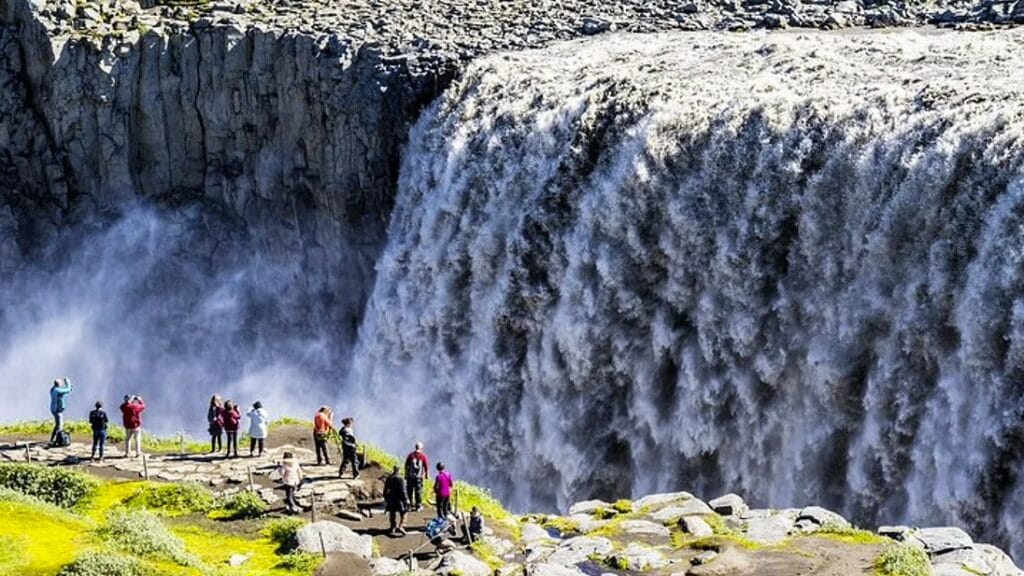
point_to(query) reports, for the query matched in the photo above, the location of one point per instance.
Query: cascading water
(786, 265)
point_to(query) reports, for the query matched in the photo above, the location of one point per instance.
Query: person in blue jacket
(61, 388)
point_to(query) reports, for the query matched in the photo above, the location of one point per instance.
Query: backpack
(413, 467)
(62, 439)
(436, 527)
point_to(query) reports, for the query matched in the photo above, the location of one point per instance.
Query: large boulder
(576, 550)
(728, 505)
(336, 539)
(643, 528)
(978, 559)
(696, 526)
(387, 567)
(656, 502)
(588, 507)
(728, 563)
(461, 564)
(691, 507)
(587, 523)
(770, 529)
(821, 516)
(639, 558)
(532, 533)
(942, 540)
(548, 569)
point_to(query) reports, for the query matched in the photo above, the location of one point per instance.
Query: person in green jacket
(61, 388)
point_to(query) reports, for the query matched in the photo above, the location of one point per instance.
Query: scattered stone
(387, 567)
(236, 560)
(656, 502)
(897, 533)
(548, 569)
(588, 507)
(944, 539)
(821, 516)
(336, 538)
(643, 527)
(704, 557)
(728, 505)
(695, 526)
(770, 530)
(532, 532)
(692, 507)
(587, 523)
(578, 549)
(459, 563)
(639, 558)
(728, 562)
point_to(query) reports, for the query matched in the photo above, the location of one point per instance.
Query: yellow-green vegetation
(471, 496)
(283, 532)
(487, 555)
(289, 421)
(118, 531)
(240, 506)
(722, 534)
(562, 524)
(849, 534)
(382, 457)
(903, 560)
(82, 432)
(623, 506)
(172, 500)
(57, 486)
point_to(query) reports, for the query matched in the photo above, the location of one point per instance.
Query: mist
(174, 305)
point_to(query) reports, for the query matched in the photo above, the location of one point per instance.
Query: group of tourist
(223, 419)
(402, 493)
(131, 417)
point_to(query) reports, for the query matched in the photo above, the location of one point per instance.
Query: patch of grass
(241, 506)
(10, 554)
(487, 554)
(470, 496)
(214, 549)
(173, 500)
(848, 534)
(681, 541)
(283, 532)
(58, 486)
(143, 534)
(623, 506)
(299, 562)
(290, 421)
(903, 560)
(81, 431)
(40, 538)
(562, 524)
(374, 454)
(94, 563)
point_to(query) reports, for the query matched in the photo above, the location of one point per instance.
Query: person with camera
(61, 388)
(259, 425)
(231, 418)
(131, 416)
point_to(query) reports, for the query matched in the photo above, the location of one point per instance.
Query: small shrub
(173, 499)
(283, 532)
(141, 533)
(623, 506)
(244, 505)
(57, 486)
(301, 562)
(848, 533)
(100, 564)
(903, 560)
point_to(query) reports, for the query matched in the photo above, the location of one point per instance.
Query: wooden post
(412, 561)
(456, 509)
(181, 442)
(252, 485)
(28, 451)
(312, 508)
(323, 548)
(145, 467)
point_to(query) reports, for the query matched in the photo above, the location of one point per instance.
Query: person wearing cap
(417, 469)
(291, 478)
(61, 388)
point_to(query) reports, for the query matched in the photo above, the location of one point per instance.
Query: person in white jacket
(259, 421)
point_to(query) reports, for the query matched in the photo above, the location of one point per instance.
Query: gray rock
(695, 526)
(462, 564)
(639, 558)
(728, 505)
(943, 539)
(768, 530)
(643, 527)
(655, 502)
(576, 550)
(236, 560)
(532, 533)
(704, 557)
(387, 567)
(821, 516)
(588, 507)
(897, 533)
(548, 569)
(587, 523)
(693, 507)
(336, 538)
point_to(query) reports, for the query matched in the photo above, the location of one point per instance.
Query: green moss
(903, 560)
(173, 500)
(487, 555)
(563, 525)
(284, 533)
(81, 431)
(299, 562)
(241, 506)
(849, 534)
(58, 486)
(623, 506)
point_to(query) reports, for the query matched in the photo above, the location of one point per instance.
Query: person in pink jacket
(443, 491)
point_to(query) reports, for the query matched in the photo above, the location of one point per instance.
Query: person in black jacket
(396, 502)
(348, 448)
(98, 422)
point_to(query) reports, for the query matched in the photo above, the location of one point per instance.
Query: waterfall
(787, 265)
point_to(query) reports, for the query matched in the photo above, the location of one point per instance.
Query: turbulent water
(791, 266)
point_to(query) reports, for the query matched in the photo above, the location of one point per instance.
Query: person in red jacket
(417, 469)
(232, 417)
(131, 416)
